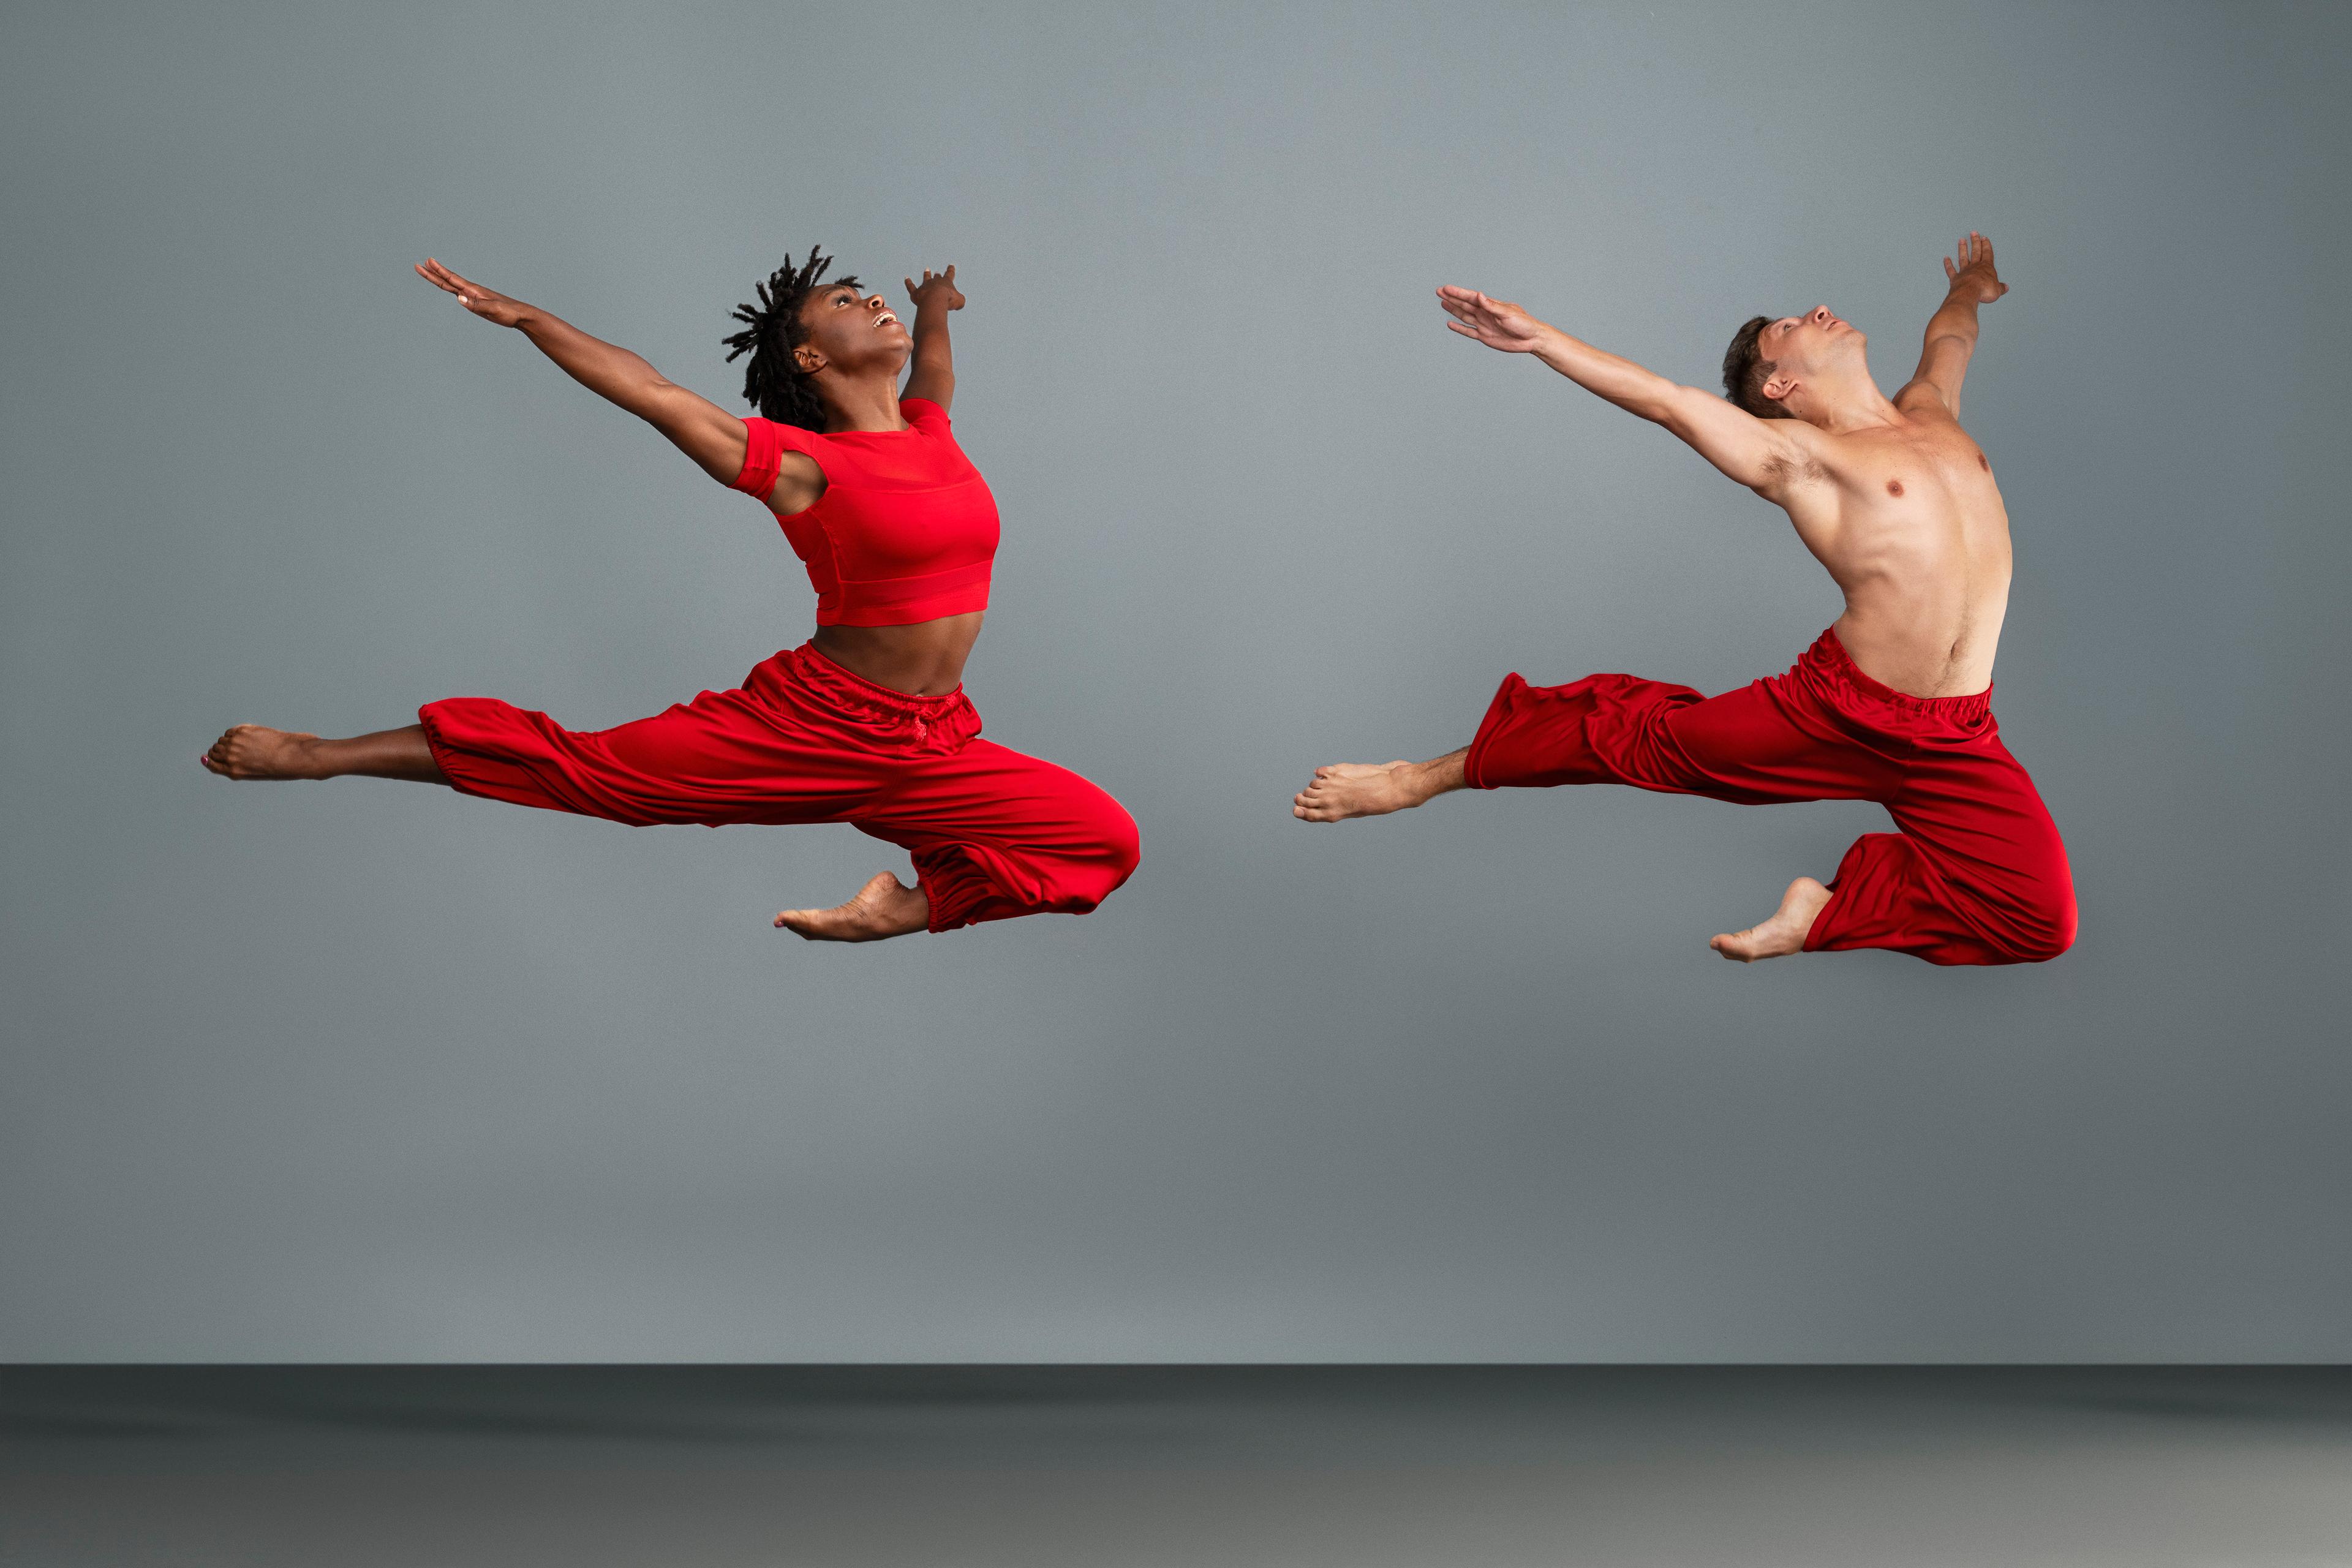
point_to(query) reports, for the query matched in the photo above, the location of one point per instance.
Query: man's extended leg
(258, 752)
(1374, 789)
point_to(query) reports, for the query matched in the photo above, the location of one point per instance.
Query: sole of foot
(884, 907)
(1784, 933)
(258, 752)
(1353, 789)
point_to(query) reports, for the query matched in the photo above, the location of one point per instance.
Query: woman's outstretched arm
(933, 375)
(699, 427)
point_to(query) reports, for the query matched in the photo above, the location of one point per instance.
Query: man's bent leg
(1344, 790)
(1978, 874)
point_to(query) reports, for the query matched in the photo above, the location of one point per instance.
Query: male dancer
(1891, 704)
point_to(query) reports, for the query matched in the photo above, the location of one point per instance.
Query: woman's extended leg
(258, 752)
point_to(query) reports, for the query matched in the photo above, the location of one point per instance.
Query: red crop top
(906, 529)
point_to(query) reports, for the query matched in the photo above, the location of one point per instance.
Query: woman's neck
(868, 405)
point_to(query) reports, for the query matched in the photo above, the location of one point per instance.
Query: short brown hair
(1746, 370)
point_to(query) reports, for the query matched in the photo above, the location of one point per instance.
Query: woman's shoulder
(923, 414)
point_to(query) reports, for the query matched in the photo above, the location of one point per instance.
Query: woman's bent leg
(258, 752)
(995, 834)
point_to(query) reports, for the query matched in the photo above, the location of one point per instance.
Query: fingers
(441, 277)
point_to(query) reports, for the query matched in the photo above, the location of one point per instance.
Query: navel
(1894, 487)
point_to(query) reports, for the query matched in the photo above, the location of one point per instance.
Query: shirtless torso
(1907, 520)
(1894, 500)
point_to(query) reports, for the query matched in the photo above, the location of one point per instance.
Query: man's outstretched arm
(1952, 330)
(1748, 449)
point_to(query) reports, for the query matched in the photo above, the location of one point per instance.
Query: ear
(1777, 387)
(807, 361)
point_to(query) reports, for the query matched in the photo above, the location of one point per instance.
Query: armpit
(1794, 467)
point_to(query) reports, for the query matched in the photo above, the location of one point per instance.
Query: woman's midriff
(925, 659)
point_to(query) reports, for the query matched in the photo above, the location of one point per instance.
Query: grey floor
(1364, 1466)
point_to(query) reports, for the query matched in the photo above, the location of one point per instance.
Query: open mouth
(886, 317)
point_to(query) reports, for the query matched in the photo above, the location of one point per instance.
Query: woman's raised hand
(936, 289)
(487, 303)
(1497, 323)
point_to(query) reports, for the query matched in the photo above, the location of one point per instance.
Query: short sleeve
(923, 414)
(764, 444)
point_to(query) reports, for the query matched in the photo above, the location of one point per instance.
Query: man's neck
(1856, 404)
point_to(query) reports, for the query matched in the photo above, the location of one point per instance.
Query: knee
(1102, 854)
(2049, 929)
(1122, 844)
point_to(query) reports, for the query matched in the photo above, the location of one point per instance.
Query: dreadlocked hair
(772, 384)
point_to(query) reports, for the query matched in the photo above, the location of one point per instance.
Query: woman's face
(850, 332)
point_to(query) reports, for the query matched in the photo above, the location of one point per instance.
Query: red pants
(1976, 875)
(994, 834)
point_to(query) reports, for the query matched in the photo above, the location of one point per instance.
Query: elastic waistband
(1828, 656)
(810, 663)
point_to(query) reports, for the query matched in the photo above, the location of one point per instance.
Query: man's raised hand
(1970, 269)
(491, 306)
(1497, 323)
(936, 289)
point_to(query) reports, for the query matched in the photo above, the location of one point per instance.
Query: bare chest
(1921, 499)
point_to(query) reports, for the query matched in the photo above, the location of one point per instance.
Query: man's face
(1808, 345)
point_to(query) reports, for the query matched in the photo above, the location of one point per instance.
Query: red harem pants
(1976, 875)
(994, 833)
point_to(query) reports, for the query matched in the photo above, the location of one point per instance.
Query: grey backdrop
(371, 1070)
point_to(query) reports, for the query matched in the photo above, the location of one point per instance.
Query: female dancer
(866, 722)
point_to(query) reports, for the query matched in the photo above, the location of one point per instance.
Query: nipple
(1982, 464)
(1894, 487)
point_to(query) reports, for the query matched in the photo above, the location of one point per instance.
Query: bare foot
(885, 907)
(1356, 789)
(257, 752)
(1784, 933)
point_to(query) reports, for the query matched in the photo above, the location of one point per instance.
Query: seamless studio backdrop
(370, 1071)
